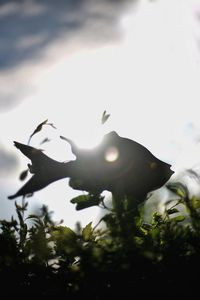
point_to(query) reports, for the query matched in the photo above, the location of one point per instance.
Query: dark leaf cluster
(122, 257)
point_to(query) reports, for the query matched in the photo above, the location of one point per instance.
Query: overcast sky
(68, 61)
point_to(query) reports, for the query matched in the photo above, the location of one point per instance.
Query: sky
(68, 61)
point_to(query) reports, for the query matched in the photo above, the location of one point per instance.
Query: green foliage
(87, 200)
(120, 259)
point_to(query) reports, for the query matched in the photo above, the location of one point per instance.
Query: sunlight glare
(121, 76)
(111, 154)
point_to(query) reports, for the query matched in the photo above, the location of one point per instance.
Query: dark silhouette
(117, 164)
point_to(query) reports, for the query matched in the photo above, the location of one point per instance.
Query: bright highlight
(111, 154)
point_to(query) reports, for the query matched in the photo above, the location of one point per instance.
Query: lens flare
(111, 154)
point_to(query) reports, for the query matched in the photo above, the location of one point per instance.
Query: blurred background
(69, 60)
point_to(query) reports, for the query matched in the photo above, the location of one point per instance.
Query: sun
(111, 154)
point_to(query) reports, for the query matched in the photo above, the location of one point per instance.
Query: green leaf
(76, 184)
(63, 232)
(155, 232)
(80, 199)
(84, 201)
(195, 202)
(146, 226)
(65, 239)
(171, 211)
(87, 232)
(178, 218)
(179, 189)
(157, 218)
(104, 117)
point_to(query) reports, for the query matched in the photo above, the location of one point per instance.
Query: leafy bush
(121, 257)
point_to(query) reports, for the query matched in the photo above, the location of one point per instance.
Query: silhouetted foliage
(104, 117)
(39, 128)
(120, 257)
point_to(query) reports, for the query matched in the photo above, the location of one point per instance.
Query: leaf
(155, 232)
(63, 231)
(87, 232)
(22, 207)
(178, 218)
(195, 202)
(32, 216)
(52, 125)
(23, 175)
(157, 218)
(171, 211)
(39, 128)
(64, 138)
(193, 174)
(19, 214)
(179, 189)
(45, 140)
(84, 201)
(146, 226)
(104, 117)
(76, 184)
(63, 235)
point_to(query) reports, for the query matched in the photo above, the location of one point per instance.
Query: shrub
(123, 258)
